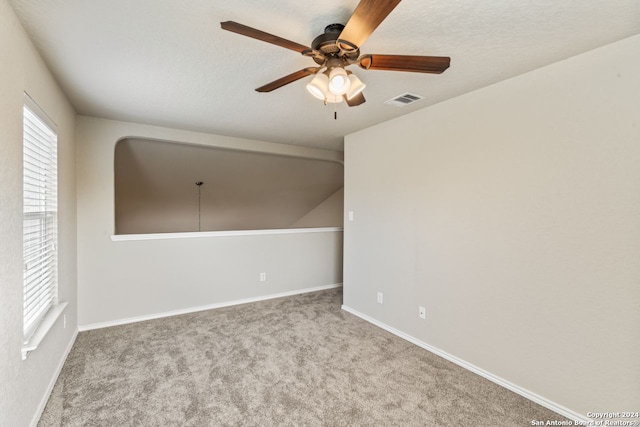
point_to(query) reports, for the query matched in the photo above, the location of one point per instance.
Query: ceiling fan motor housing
(328, 47)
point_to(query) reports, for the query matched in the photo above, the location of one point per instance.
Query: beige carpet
(295, 361)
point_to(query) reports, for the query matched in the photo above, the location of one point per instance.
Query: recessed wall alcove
(156, 191)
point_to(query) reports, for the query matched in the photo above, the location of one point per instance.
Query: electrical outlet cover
(422, 312)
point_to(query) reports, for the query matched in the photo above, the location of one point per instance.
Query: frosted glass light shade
(356, 86)
(339, 82)
(319, 86)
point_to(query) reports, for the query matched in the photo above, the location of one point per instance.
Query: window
(40, 221)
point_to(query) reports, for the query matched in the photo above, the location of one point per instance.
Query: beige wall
(329, 213)
(124, 279)
(24, 385)
(512, 214)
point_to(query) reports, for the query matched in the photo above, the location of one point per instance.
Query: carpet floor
(294, 361)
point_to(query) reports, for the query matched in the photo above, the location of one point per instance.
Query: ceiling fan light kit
(332, 88)
(319, 86)
(339, 82)
(356, 86)
(339, 47)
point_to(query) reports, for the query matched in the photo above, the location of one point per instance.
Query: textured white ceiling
(168, 63)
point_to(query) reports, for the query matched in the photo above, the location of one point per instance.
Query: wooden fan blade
(415, 64)
(356, 100)
(261, 35)
(364, 20)
(288, 79)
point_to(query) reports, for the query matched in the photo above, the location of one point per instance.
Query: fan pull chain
(199, 184)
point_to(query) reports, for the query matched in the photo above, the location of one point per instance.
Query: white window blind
(40, 221)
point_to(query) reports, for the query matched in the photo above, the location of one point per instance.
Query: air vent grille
(404, 99)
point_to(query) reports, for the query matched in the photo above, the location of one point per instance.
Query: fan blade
(415, 64)
(356, 100)
(261, 35)
(364, 20)
(288, 79)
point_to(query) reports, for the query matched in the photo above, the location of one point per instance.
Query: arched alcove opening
(156, 191)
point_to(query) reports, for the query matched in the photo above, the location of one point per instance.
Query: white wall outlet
(350, 215)
(422, 312)
(263, 277)
(380, 297)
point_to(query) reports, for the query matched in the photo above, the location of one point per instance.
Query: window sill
(190, 235)
(46, 324)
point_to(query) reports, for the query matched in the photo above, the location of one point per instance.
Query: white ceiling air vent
(404, 99)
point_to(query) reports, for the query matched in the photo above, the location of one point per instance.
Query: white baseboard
(52, 383)
(559, 409)
(125, 321)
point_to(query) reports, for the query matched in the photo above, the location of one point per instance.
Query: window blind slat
(33, 251)
(33, 319)
(34, 289)
(36, 300)
(39, 153)
(33, 276)
(33, 126)
(42, 266)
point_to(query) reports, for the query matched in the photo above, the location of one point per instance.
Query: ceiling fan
(339, 47)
